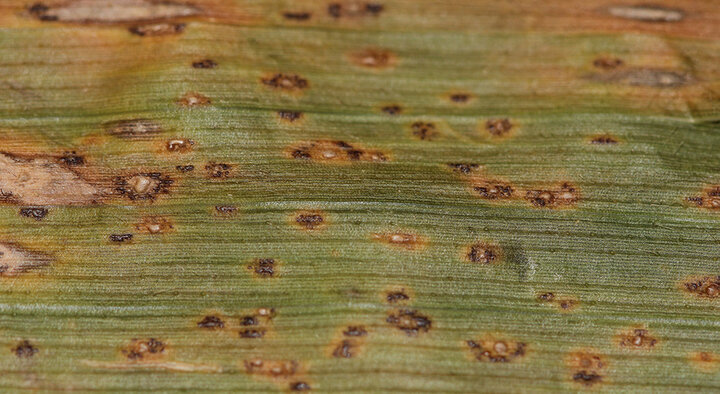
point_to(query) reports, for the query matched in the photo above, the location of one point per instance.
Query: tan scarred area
(401, 240)
(115, 11)
(40, 181)
(15, 260)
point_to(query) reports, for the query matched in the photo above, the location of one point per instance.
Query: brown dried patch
(157, 29)
(204, 64)
(705, 361)
(290, 116)
(392, 109)
(37, 213)
(179, 145)
(41, 181)
(275, 369)
(563, 303)
(193, 99)
(185, 168)
(263, 268)
(464, 168)
(496, 350)
(226, 210)
(498, 127)
(647, 13)
(297, 16)
(637, 338)
(646, 77)
(144, 350)
(218, 170)
(71, 159)
(133, 128)
(327, 151)
(310, 220)
(120, 238)
(155, 225)
(587, 368)
(24, 349)
(564, 196)
(354, 9)
(403, 240)
(373, 58)
(608, 63)
(710, 198)
(603, 139)
(15, 260)
(703, 287)
(115, 12)
(287, 82)
(145, 186)
(484, 253)
(211, 322)
(409, 321)
(425, 131)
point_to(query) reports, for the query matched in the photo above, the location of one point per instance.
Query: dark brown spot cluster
(460, 98)
(157, 29)
(218, 170)
(350, 344)
(290, 116)
(205, 63)
(211, 322)
(707, 287)
(608, 63)
(37, 213)
(143, 186)
(72, 159)
(193, 99)
(604, 139)
(565, 195)
(498, 127)
(333, 151)
(181, 145)
(586, 368)
(133, 128)
(185, 168)
(226, 210)
(300, 386)
(297, 16)
(464, 168)
(496, 351)
(144, 349)
(424, 130)
(255, 325)
(263, 268)
(638, 338)
(24, 349)
(483, 253)
(710, 200)
(120, 238)
(289, 82)
(354, 9)
(392, 109)
(310, 220)
(410, 321)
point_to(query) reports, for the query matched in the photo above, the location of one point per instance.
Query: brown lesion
(142, 186)
(705, 287)
(24, 349)
(492, 189)
(143, 350)
(410, 321)
(256, 324)
(351, 9)
(460, 97)
(288, 373)
(496, 349)
(638, 338)
(349, 342)
(225, 210)
(392, 109)
(290, 116)
(647, 13)
(464, 168)
(499, 127)
(565, 195)
(587, 368)
(423, 130)
(709, 198)
(333, 151)
(37, 213)
(563, 303)
(285, 81)
(193, 99)
(705, 361)
(299, 16)
(653, 77)
(373, 58)
(483, 253)
(604, 139)
(264, 268)
(401, 239)
(155, 224)
(607, 63)
(117, 12)
(211, 322)
(157, 29)
(179, 145)
(215, 170)
(205, 64)
(313, 220)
